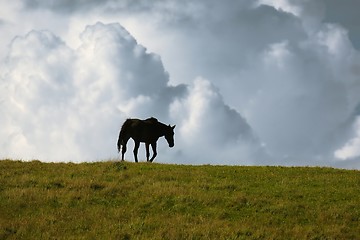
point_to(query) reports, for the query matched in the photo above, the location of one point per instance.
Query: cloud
(305, 96)
(332, 12)
(296, 84)
(288, 71)
(216, 131)
(63, 104)
(35, 91)
(352, 148)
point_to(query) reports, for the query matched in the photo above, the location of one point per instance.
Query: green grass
(122, 200)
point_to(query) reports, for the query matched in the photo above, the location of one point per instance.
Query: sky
(266, 82)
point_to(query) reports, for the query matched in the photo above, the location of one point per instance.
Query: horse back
(141, 130)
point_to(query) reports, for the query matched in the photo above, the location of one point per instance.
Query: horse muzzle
(171, 145)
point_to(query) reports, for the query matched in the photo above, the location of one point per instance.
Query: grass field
(122, 200)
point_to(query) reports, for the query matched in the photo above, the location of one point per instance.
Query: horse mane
(152, 119)
(156, 122)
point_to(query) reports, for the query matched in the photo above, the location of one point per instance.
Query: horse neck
(161, 129)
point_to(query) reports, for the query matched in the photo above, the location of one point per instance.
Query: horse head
(169, 135)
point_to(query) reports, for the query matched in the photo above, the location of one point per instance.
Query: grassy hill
(122, 200)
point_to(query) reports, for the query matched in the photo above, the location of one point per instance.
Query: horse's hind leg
(147, 151)
(123, 150)
(153, 146)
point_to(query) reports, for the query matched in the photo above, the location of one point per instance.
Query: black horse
(147, 131)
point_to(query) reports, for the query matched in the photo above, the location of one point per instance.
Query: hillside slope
(122, 200)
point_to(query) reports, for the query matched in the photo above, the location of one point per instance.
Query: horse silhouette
(147, 131)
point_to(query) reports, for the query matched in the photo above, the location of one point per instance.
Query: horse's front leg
(153, 146)
(147, 151)
(136, 148)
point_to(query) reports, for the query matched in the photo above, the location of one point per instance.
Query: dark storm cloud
(66, 6)
(176, 13)
(108, 6)
(344, 13)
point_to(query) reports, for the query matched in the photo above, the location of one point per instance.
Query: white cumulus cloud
(216, 131)
(66, 104)
(63, 104)
(352, 148)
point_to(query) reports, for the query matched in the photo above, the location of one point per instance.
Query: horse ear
(173, 127)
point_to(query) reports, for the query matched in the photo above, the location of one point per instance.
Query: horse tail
(119, 143)
(122, 134)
